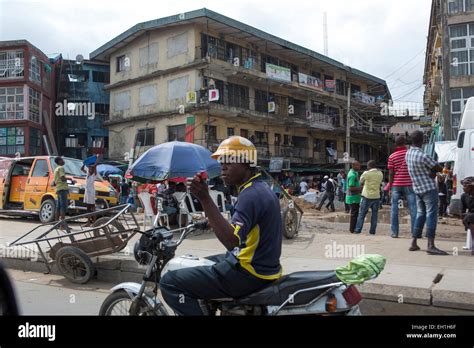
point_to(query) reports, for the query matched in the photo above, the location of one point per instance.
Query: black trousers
(443, 205)
(354, 216)
(181, 289)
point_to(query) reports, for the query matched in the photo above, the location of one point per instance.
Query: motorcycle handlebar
(199, 225)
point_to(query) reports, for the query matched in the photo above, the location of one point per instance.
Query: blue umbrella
(107, 169)
(174, 160)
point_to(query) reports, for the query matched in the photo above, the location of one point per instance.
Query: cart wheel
(47, 211)
(289, 218)
(75, 265)
(114, 227)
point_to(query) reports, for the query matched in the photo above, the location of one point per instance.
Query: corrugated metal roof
(189, 16)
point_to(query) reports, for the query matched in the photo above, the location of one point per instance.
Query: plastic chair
(161, 214)
(219, 200)
(148, 213)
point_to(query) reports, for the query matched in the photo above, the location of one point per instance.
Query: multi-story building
(449, 64)
(82, 106)
(201, 77)
(26, 95)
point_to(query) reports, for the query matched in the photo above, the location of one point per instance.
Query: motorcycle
(299, 293)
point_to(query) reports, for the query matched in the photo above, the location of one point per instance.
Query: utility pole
(325, 31)
(348, 125)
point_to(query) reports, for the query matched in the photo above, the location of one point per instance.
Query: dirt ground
(449, 228)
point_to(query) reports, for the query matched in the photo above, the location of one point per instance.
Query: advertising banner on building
(364, 98)
(310, 81)
(279, 73)
(189, 132)
(330, 85)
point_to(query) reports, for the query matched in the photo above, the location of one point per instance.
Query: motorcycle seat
(277, 292)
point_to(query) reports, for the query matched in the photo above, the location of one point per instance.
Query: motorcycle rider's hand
(199, 188)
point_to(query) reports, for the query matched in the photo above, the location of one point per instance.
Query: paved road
(40, 294)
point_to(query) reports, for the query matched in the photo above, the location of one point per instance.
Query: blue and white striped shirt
(420, 168)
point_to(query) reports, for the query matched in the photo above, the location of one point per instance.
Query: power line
(401, 67)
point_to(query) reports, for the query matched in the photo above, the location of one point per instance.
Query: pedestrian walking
(62, 188)
(89, 194)
(371, 181)
(400, 185)
(353, 196)
(329, 193)
(423, 169)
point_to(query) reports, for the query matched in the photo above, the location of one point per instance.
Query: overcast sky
(384, 38)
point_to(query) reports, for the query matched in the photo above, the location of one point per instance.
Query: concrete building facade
(201, 77)
(80, 86)
(26, 98)
(449, 64)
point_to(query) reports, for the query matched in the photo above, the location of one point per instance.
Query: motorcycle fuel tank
(185, 261)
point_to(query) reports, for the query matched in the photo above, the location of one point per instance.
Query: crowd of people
(414, 178)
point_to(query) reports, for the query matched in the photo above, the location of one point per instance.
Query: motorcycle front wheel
(118, 304)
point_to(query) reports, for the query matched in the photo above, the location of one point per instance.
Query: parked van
(26, 187)
(464, 164)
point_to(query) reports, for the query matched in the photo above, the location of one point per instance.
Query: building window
(261, 138)
(299, 107)
(177, 133)
(35, 142)
(238, 96)
(34, 105)
(177, 45)
(35, 75)
(178, 87)
(148, 95)
(102, 109)
(12, 140)
(76, 140)
(261, 101)
(100, 142)
(230, 132)
(100, 76)
(341, 87)
(145, 137)
(244, 133)
(462, 49)
(459, 99)
(210, 133)
(148, 55)
(122, 101)
(123, 63)
(11, 64)
(11, 103)
(455, 6)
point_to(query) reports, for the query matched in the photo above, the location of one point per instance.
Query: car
(26, 187)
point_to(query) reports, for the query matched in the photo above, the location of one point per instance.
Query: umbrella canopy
(107, 169)
(174, 160)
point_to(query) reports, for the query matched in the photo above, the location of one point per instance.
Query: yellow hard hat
(236, 147)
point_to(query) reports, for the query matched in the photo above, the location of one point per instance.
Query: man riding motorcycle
(253, 238)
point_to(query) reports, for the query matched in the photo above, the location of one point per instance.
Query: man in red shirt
(400, 185)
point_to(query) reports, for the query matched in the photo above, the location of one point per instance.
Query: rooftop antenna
(325, 31)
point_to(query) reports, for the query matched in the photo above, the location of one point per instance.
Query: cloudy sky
(384, 38)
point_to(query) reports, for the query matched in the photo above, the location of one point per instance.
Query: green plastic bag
(361, 269)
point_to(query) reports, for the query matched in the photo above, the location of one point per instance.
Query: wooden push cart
(71, 245)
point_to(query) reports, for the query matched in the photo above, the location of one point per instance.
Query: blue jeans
(123, 200)
(63, 201)
(365, 205)
(409, 194)
(427, 211)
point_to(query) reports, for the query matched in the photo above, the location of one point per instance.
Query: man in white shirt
(303, 187)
